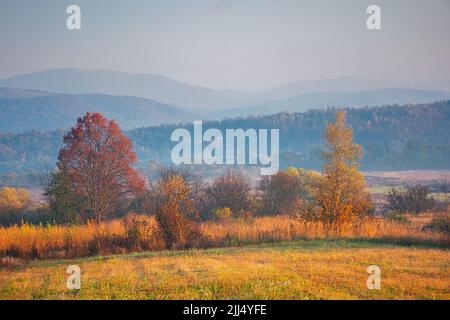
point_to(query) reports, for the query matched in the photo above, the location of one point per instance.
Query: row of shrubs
(231, 195)
(416, 199)
(227, 197)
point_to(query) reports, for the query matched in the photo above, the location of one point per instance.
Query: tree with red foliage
(97, 158)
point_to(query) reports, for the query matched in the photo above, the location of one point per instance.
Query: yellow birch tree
(341, 195)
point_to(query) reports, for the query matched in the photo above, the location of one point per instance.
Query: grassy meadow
(299, 269)
(278, 257)
(260, 258)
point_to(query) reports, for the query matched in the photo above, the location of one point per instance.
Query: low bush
(222, 214)
(142, 232)
(395, 216)
(440, 224)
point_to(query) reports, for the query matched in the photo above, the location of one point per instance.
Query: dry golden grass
(114, 237)
(282, 228)
(57, 241)
(313, 269)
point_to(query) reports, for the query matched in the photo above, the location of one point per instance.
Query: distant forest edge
(406, 137)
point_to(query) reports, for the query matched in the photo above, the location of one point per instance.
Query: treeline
(95, 181)
(335, 197)
(393, 138)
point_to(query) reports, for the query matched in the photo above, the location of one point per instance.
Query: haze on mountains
(26, 110)
(321, 100)
(156, 87)
(207, 103)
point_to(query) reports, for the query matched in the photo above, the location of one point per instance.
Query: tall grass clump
(136, 233)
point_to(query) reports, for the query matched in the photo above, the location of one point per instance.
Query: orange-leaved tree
(340, 194)
(13, 200)
(98, 158)
(175, 213)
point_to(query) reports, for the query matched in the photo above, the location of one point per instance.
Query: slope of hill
(15, 93)
(349, 85)
(343, 84)
(25, 110)
(393, 138)
(321, 100)
(156, 87)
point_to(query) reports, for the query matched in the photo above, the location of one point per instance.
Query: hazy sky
(239, 44)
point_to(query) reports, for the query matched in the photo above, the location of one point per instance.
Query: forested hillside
(392, 137)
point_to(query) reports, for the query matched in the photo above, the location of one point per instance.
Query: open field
(390, 178)
(380, 182)
(315, 269)
(257, 258)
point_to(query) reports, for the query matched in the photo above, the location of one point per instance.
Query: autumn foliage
(13, 200)
(175, 213)
(95, 177)
(340, 194)
(280, 193)
(97, 159)
(136, 233)
(232, 190)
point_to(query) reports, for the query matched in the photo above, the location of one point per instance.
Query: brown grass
(115, 237)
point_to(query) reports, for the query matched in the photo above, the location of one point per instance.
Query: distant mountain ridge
(321, 100)
(15, 93)
(197, 99)
(150, 86)
(25, 110)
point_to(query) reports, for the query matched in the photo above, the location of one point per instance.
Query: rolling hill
(347, 85)
(211, 102)
(150, 86)
(321, 100)
(25, 110)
